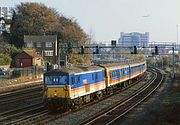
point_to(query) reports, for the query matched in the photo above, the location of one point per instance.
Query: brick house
(28, 58)
(45, 45)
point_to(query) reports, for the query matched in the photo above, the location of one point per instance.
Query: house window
(48, 44)
(38, 44)
(29, 44)
(48, 53)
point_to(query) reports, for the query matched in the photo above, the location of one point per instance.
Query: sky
(105, 19)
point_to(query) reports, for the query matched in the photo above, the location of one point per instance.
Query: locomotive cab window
(47, 80)
(63, 80)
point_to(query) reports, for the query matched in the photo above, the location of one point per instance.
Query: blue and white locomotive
(69, 87)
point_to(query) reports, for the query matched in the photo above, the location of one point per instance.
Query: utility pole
(177, 37)
(173, 63)
(59, 54)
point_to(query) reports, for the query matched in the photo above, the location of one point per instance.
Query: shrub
(5, 59)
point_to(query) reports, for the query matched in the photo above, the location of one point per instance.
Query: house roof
(44, 38)
(31, 53)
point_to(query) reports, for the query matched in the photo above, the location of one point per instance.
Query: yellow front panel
(58, 91)
(107, 78)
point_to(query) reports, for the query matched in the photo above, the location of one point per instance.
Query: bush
(15, 51)
(5, 60)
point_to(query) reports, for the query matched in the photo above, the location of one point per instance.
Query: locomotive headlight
(55, 93)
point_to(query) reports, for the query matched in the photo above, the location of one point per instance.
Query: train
(71, 87)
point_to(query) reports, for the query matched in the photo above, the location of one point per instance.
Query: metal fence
(23, 72)
(35, 70)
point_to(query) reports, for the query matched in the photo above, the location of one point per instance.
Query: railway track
(11, 114)
(23, 116)
(8, 104)
(114, 114)
(38, 114)
(22, 94)
(17, 103)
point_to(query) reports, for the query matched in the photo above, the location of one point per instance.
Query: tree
(5, 59)
(72, 34)
(31, 19)
(37, 19)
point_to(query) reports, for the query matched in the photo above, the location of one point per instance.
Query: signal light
(113, 42)
(82, 49)
(97, 49)
(135, 50)
(156, 50)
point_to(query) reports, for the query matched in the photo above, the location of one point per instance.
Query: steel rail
(19, 98)
(20, 91)
(29, 119)
(19, 111)
(104, 113)
(136, 104)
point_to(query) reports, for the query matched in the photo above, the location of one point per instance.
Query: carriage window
(73, 80)
(112, 74)
(118, 73)
(96, 76)
(123, 71)
(79, 79)
(92, 76)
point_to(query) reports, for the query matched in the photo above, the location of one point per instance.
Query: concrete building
(5, 13)
(134, 39)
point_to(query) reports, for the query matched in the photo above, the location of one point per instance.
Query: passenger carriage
(137, 69)
(116, 73)
(119, 72)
